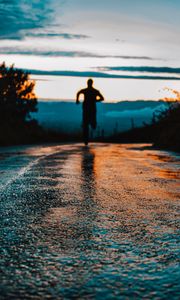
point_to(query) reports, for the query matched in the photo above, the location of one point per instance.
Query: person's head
(90, 82)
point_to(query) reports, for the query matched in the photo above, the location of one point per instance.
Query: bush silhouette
(167, 127)
(162, 132)
(17, 101)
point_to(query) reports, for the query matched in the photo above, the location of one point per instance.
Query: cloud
(99, 75)
(142, 69)
(33, 18)
(133, 57)
(19, 16)
(54, 53)
(68, 36)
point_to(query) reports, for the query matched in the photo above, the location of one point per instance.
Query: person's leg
(93, 121)
(85, 127)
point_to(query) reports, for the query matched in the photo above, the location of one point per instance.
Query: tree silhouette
(17, 102)
(17, 97)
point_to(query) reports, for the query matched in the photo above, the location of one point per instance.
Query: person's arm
(78, 95)
(100, 97)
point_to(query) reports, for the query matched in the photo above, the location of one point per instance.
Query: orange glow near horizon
(170, 99)
(64, 88)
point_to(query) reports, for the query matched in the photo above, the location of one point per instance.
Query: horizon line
(106, 101)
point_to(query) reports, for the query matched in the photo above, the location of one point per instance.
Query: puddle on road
(168, 167)
(164, 158)
(169, 174)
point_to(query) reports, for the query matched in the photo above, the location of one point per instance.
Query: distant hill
(112, 117)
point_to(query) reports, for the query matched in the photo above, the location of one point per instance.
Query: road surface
(89, 223)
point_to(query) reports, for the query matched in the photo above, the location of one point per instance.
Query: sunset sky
(130, 47)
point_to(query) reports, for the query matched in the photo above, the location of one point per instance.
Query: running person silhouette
(91, 96)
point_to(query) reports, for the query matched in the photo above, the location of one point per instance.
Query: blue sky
(69, 40)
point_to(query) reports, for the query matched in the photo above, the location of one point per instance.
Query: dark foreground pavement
(89, 223)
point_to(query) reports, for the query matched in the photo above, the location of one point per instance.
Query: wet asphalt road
(89, 223)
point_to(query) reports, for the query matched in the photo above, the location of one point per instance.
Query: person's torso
(90, 95)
